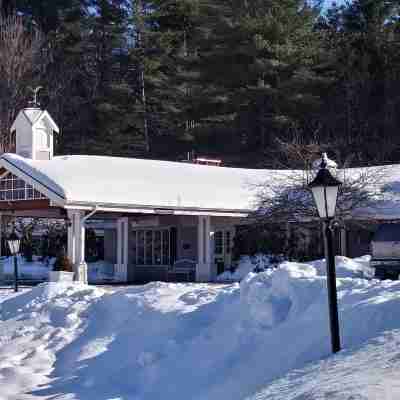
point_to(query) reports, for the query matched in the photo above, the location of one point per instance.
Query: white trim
(122, 249)
(153, 211)
(52, 124)
(126, 242)
(204, 249)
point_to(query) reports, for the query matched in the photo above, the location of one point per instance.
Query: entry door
(223, 243)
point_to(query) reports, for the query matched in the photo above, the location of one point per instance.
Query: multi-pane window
(222, 242)
(218, 242)
(14, 188)
(151, 246)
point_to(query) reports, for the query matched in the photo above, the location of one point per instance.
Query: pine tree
(255, 79)
(361, 38)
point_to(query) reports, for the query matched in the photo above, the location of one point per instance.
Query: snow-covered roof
(137, 183)
(34, 115)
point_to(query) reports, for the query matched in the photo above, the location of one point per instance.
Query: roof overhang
(155, 210)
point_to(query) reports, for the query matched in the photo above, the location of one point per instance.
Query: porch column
(71, 239)
(205, 271)
(122, 249)
(76, 245)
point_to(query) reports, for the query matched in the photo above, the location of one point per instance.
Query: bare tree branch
(20, 64)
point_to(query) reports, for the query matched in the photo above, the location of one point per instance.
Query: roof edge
(163, 210)
(51, 120)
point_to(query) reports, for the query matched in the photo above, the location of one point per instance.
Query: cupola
(34, 132)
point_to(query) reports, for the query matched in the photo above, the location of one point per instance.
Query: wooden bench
(185, 267)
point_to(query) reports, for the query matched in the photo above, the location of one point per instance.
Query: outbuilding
(385, 248)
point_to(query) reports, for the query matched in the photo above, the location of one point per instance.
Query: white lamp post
(325, 189)
(14, 244)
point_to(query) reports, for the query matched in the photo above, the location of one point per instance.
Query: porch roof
(113, 182)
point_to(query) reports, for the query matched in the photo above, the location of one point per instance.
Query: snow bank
(35, 325)
(259, 262)
(345, 267)
(182, 341)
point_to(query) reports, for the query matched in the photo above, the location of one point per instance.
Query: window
(43, 139)
(151, 246)
(13, 188)
(222, 242)
(218, 242)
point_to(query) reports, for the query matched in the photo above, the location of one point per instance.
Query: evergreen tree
(361, 38)
(254, 63)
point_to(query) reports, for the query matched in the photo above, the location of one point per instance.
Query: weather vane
(34, 102)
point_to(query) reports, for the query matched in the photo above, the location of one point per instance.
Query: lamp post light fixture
(325, 189)
(13, 244)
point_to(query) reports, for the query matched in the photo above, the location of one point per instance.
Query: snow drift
(345, 267)
(181, 341)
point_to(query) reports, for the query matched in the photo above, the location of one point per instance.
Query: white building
(160, 218)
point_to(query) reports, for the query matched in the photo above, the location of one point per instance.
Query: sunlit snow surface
(201, 341)
(367, 371)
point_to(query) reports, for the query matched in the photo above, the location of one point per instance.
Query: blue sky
(327, 3)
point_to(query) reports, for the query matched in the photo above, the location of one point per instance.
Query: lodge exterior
(160, 219)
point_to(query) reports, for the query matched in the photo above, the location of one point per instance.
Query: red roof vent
(207, 161)
(202, 160)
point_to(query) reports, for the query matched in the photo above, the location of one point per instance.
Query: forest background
(256, 83)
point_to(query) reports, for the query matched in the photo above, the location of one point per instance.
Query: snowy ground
(100, 271)
(266, 338)
(35, 270)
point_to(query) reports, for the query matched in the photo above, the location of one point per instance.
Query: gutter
(134, 208)
(86, 217)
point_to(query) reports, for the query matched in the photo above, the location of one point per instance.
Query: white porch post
(204, 271)
(71, 238)
(76, 245)
(122, 249)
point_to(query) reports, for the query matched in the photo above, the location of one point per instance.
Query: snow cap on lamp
(325, 189)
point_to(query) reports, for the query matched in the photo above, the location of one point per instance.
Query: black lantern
(13, 244)
(325, 189)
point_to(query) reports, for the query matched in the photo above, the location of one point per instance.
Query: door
(223, 242)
